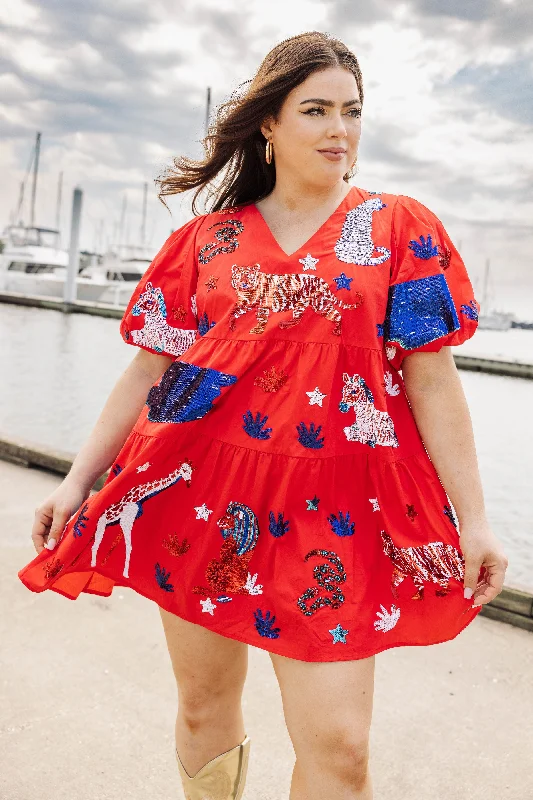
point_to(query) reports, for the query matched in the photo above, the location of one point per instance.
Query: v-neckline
(306, 245)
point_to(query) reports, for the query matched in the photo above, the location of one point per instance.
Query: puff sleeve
(161, 315)
(431, 301)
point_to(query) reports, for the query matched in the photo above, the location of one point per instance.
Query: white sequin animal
(130, 507)
(156, 332)
(355, 245)
(371, 426)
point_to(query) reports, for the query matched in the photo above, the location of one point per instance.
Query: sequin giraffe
(156, 332)
(371, 426)
(130, 508)
(436, 562)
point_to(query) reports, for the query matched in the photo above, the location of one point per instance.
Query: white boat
(122, 267)
(33, 263)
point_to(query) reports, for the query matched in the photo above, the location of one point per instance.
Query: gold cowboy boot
(222, 778)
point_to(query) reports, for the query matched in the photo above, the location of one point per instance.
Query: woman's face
(322, 112)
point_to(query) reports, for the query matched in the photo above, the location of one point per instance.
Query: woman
(275, 480)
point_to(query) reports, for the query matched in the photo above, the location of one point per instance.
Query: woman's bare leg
(210, 672)
(328, 711)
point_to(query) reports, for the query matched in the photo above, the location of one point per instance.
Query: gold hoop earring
(351, 172)
(268, 151)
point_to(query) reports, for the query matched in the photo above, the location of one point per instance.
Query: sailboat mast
(143, 224)
(58, 203)
(35, 173)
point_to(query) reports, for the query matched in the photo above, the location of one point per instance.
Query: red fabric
(314, 505)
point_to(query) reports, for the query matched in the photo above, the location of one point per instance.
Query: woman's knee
(340, 750)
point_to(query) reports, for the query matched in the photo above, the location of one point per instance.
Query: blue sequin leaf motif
(470, 310)
(204, 325)
(263, 624)
(162, 576)
(254, 427)
(278, 527)
(419, 312)
(186, 392)
(341, 525)
(425, 248)
(116, 469)
(81, 519)
(310, 437)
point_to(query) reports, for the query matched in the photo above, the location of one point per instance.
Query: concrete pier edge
(512, 605)
(493, 366)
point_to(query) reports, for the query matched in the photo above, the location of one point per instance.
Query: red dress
(275, 488)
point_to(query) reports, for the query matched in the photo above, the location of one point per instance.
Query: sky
(118, 89)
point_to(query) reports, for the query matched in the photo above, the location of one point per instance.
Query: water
(58, 370)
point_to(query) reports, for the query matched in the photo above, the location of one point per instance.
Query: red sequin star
(52, 568)
(211, 283)
(411, 513)
(180, 313)
(271, 380)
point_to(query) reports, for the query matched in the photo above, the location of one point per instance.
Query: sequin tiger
(436, 562)
(277, 293)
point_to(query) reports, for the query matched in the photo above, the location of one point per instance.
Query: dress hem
(260, 644)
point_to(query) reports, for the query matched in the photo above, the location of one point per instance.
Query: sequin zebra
(278, 293)
(328, 578)
(240, 530)
(355, 244)
(130, 507)
(371, 426)
(156, 333)
(436, 562)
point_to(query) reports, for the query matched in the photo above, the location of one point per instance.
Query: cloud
(118, 89)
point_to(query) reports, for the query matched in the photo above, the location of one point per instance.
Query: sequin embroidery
(355, 245)
(279, 293)
(371, 426)
(226, 240)
(420, 311)
(186, 392)
(156, 333)
(436, 562)
(264, 624)
(328, 578)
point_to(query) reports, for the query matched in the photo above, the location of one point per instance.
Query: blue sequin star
(339, 634)
(343, 281)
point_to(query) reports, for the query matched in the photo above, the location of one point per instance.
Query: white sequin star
(315, 397)
(207, 606)
(391, 351)
(144, 467)
(375, 504)
(309, 262)
(202, 512)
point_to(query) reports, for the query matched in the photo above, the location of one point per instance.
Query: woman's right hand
(53, 514)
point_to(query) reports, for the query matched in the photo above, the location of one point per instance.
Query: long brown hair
(234, 145)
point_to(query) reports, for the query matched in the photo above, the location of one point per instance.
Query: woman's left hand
(482, 550)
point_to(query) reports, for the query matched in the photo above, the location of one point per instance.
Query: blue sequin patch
(419, 312)
(470, 310)
(186, 392)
